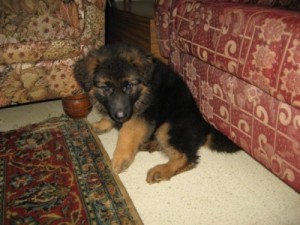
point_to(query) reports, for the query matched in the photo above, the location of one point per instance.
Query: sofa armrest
(50, 31)
(40, 40)
(258, 44)
(163, 10)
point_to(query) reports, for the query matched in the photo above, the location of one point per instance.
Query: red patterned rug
(57, 172)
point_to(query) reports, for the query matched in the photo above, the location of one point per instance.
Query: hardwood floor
(133, 23)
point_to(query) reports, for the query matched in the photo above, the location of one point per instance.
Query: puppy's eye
(105, 88)
(128, 85)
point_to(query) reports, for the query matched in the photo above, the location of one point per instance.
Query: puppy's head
(118, 76)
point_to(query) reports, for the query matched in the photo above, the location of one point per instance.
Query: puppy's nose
(120, 115)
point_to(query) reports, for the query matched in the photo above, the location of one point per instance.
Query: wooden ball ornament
(77, 106)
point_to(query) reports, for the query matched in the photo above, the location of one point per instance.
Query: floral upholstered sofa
(39, 42)
(241, 60)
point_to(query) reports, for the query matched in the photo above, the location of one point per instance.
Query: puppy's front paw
(102, 126)
(121, 162)
(98, 129)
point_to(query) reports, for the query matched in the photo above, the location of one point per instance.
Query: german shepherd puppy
(150, 105)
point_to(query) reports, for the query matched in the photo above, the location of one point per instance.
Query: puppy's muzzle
(120, 109)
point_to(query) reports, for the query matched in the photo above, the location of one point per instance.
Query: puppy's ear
(145, 67)
(144, 64)
(84, 71)
(137, 57)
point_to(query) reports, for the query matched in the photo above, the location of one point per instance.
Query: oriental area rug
(57, 172)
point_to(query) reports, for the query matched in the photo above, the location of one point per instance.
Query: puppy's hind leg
(178, 161)
(104, 125)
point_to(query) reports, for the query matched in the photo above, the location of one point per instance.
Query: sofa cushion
(260, 45)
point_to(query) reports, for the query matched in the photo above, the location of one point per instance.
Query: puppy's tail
(220, 143)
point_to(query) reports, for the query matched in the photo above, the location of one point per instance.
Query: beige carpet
(223, 189)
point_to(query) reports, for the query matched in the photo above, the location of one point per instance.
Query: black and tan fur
(150, 105)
